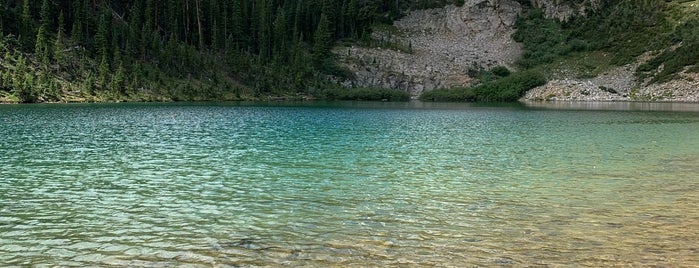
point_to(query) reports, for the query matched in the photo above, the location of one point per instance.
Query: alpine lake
(349, 184)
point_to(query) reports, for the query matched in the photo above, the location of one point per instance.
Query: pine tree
(101, 40)
(214, 31)
(61, 23)
(330, 10)
(2, 19)
(103, 72)
(117, 83)
(118, 80)
(264, 39)
(45, 14)
(237, 25)
(58, 50)
(322, 40)
(133, 40)
(351, 18)
(41, 48)
(280, 36)
(26, 25)
(173, 17)
(76, 32)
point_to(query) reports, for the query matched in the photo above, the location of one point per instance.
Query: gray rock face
(445, 43)
(618, 84)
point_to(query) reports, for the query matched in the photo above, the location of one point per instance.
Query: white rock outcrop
(445, 43)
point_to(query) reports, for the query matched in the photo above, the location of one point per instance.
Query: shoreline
(532, 102)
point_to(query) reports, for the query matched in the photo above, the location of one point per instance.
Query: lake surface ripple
(346, 184)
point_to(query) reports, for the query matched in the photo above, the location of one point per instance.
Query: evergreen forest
(147, 50)
(192, 50)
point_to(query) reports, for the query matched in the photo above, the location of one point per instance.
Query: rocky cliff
(442, 46)
(618, 84)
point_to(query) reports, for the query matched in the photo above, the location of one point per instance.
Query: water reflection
(616, 106)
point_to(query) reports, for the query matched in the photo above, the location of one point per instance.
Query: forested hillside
(98, 50)
(147, 50)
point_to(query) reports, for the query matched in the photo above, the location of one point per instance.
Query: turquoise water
(348, 184)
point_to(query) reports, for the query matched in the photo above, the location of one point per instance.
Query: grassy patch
(509, 88)
(581, 65)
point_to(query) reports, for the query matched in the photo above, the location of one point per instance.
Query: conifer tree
(118, 79)
(200, 31)
(330, 9)
(133, 40)
(45, 14)
(173, 17)
(264, 39)
(214, 25)
(41, 48)
(103, 72)
(117, 82)
(322, 40)
(58, 49)
(280, 36)
(237, 24)
(2, 20)
(101, 40)
(76, 32)
(26, 26)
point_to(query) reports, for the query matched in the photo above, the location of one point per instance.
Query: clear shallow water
(347, 184)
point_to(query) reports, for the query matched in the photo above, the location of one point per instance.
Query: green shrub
(543, 39)
(366, 94)
(500, 71)
(506, 89)
(674, 60)
(624, 28)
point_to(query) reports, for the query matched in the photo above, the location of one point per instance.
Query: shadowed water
(347, 184)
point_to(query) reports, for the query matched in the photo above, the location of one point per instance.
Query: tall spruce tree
(264, 36)
(322, 40)
(26, 25)
(101, 40)
(280, 37)
(42, 44)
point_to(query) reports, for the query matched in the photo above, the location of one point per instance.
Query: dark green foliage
(322, 39)
(500, 71)
(509, 88)
(423, 4)
(543, 39)
(26, 28)
(99, 50)
(42, 45)
(625, 28)
(366, 94)
(675, 60)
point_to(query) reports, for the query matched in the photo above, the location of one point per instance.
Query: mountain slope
(589, 50)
